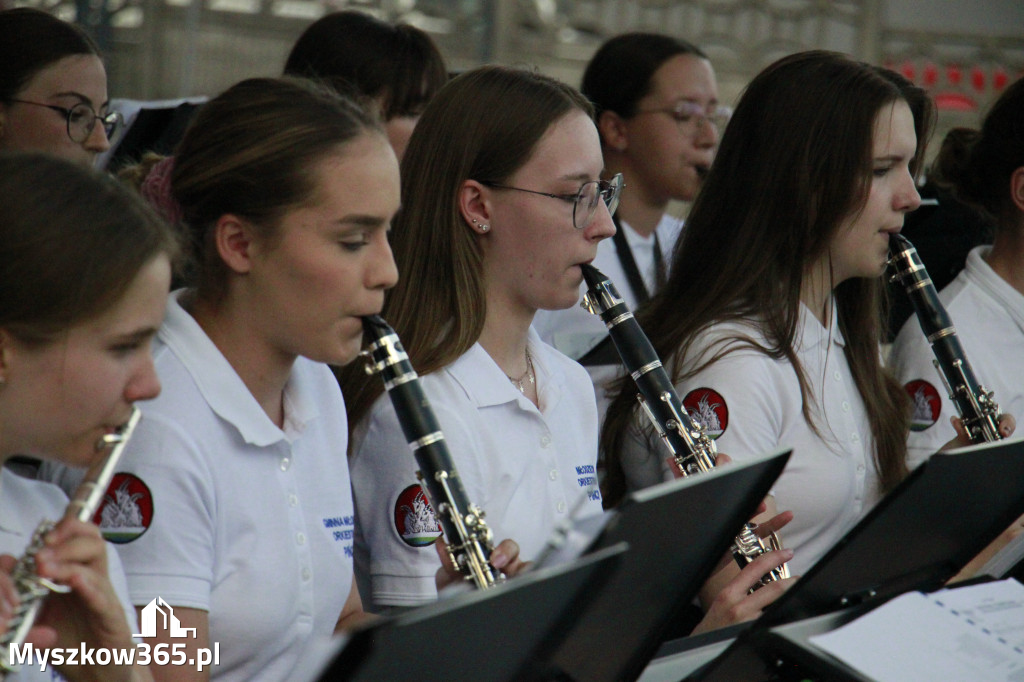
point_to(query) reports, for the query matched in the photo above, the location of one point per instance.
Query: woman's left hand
(1007, 425)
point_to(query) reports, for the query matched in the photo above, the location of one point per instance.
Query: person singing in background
(770, 322)
(288, 191)
(501, 202)
(53, 88)
(86, 270)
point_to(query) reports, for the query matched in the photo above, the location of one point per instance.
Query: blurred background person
(397, 66)
(53, 88)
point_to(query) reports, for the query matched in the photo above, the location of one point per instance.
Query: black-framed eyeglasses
(81, 120)
(585, 201)
(692, 114)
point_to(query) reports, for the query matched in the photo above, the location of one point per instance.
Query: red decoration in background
(945, 81)
(954, 101)
(978, 78)
(931, 75)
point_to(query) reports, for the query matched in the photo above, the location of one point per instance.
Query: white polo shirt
(528, 469)
(752, 402)
(247, 521)
(23, 504)
(988, 315)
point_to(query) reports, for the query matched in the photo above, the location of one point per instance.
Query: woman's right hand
(734, 603)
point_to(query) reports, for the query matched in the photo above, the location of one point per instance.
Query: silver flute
(31, 588)
(693, 452)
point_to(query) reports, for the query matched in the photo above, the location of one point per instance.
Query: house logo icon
(170, 622)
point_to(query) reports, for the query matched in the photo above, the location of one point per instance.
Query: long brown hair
(483, 125)
(794, 162)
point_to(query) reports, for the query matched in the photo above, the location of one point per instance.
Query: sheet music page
(971, 633)
(1005, 559)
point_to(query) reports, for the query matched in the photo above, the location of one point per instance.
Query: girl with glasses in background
(53, 88)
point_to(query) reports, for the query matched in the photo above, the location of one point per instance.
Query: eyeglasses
(688, 113)
(81, 120)
(584, 201)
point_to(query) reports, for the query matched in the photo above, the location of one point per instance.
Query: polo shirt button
(846, 406)
(553, 475)
(306, 575)
(285, 463)
(837, 375)
(561, 507)
(545, 440)
(300, 539)
(293, 501)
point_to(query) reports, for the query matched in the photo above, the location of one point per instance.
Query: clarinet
(469, 541)
(977, 409)
(692, 450)
(31, 588)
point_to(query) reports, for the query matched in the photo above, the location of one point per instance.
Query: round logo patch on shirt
(927, 404)
(707, 407)
(414, 518)
(126, 511)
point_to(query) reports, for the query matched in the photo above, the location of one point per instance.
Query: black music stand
(495, 634)
(677, 533)
(917, 538)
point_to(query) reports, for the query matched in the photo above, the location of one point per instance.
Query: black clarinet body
(467, 536)
(975, 405)
(693, 451)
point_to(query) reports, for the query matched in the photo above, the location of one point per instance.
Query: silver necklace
(528, 375)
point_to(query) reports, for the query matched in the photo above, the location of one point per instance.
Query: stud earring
(484, 228)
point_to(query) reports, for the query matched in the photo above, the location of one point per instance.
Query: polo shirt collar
(222, 388)
(986, 279)
(486, 385)
(811, 333)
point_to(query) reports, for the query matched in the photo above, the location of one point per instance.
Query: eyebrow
(84, 98)
(363, 220)
(582, 177)
(135, 336)
(893, 157)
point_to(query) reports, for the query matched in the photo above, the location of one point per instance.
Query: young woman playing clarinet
(238, 470)
(502, 200)
(770, 323)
